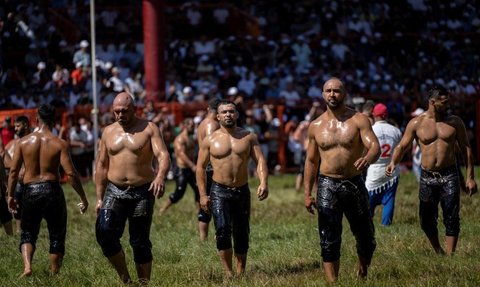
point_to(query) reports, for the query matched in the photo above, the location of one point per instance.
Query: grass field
(284, 247)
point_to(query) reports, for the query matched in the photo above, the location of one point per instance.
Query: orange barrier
(31, 114)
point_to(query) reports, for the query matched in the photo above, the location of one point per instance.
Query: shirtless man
(184, 148)
(204, 130)
(127, 185)
(229, 149)
(42, 153)
(437, 133)
(22, 128)
(341, 142)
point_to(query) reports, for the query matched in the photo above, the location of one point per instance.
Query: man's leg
(167, 205)
(331, 270)
(203, 230)
(144, 271)
(388, 202)
(118, 262)
(451, 244)
(226, 259)
(27, 255)
(428, 212)
(180, 187)
(7, 226)
(55, 262)
(18, 224)
(357, 212)
(241, 263)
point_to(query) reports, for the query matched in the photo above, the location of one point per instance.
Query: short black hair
(213, 103)
(46, 113)
(226, 102)
(437, 91)
(23, 120)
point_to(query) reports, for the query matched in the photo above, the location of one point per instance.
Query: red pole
(154, 46)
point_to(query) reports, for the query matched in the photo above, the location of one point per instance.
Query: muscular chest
(432, 131)
(134, 143)
(337, 134)
(223, 148)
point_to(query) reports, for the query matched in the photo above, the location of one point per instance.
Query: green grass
(284, 247)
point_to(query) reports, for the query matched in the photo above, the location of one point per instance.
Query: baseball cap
(380, 110)
(84, 44)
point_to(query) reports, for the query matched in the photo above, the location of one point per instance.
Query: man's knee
(177, 195)
(224, 238)
(203, 216)
(107, 236)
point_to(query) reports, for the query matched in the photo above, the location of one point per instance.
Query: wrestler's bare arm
(467, 154)
(161, 153)
(262, 169)
(101, 171)
(312, 162)
(7, 159)
(15, 167)
(405, 143)
(200, 173)
(369, 140)
(73, 179)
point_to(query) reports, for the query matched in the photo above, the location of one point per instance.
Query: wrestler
(42, 153)
(437, 133)
(206, 127)
(184, 148)
(22, 128)
(342, 144)
(229, 149)
(127, 185)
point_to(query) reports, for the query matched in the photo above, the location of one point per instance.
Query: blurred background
(270, 57)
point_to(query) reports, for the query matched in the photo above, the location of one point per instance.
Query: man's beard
(229, 124)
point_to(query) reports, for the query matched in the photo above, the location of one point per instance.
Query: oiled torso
(130, 155)
(339, 145)
(41, 156)
(437, 142)
(229, 156)
(184, 143)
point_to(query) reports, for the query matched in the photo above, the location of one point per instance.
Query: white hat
(78, 64)
(41, 65)
(83, 44)
(417, 112)
(187, 90)
(232, 91)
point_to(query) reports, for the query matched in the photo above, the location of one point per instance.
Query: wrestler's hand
(310, 204)
(361, 163)
(12, 204)
(98, 206)
(262, 192)
(157, 187)
(471, 187)
(83, 205)
(204, 203)
(390, 169)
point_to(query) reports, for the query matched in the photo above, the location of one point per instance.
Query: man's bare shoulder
(36, 138)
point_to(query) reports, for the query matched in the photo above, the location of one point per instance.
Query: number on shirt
(386, 148)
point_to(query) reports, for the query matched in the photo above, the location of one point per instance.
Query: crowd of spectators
(391, 51)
